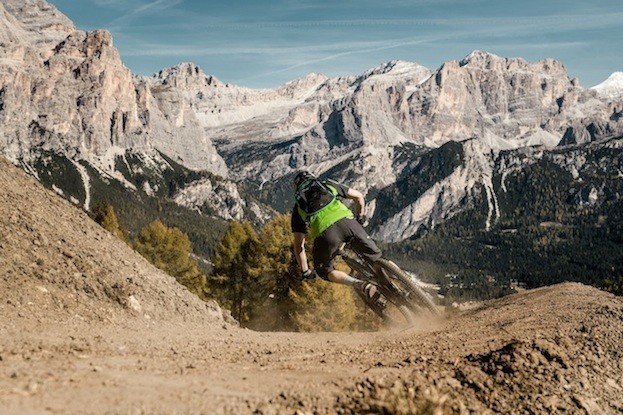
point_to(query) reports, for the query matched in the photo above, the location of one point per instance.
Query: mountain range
(428, 147)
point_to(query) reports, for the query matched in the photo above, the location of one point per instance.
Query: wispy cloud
(110, 3)
(150, 49)
(545, 46)
(481, 28)
(143, 9)
(500, 25)
(311, 51)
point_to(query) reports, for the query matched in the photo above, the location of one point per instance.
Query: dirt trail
(88, 327)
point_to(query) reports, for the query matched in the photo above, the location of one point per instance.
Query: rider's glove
(308, 275)
(361, 219)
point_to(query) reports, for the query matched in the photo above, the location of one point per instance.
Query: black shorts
(327, 244)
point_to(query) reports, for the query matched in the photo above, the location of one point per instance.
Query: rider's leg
(326, 247)
(341, 277)
(367, 288)
(328, 244)
(361, 241)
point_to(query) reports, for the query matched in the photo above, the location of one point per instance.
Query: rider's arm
(357, 197)
(299, 250)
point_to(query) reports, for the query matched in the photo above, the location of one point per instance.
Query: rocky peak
(43, 25)
(81, 101)
(87, 46)
(509, 100)
(396, 72)
(186, 76)
(302, 86)
(395, 66)
(480, 58)
(488, 61)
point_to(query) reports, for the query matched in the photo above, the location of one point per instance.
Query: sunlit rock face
(67, 92)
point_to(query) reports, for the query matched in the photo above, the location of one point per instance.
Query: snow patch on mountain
(611, 87)
(398, 72)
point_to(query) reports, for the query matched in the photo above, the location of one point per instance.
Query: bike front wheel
(416, 297)
(393, 313)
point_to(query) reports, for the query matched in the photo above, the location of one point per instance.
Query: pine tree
(325, 306)
(253, 274)
(104, 215)
(277, 273)
(170, 250)
(235, 270)
(228, 249)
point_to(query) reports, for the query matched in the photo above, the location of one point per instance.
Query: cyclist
(331, 223)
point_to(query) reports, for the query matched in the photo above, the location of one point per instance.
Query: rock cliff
(65, 91)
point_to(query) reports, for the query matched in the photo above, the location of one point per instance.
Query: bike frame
(366, 271)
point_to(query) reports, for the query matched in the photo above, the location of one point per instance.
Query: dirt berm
(87, 326)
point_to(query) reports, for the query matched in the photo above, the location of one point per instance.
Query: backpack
(312, 196)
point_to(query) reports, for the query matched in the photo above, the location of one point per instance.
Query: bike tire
(407, 314)
(389, 314)
(419, 298)
(386, 315)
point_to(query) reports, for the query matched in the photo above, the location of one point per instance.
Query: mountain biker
(332, 225)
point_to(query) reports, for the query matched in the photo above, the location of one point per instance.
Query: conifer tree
(235, 271)
(325, 306)
(256, 276)
(104, 215)
(228, 249)
(170, 250)
(277, 274)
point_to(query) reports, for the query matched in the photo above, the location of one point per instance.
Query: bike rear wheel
(417, 297)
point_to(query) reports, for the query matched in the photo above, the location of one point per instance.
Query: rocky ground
(88, 327)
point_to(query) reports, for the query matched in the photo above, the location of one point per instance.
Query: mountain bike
(404, 298)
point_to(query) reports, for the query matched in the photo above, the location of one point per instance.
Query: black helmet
(301, 177)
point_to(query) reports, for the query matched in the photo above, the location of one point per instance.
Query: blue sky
(265, 43)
